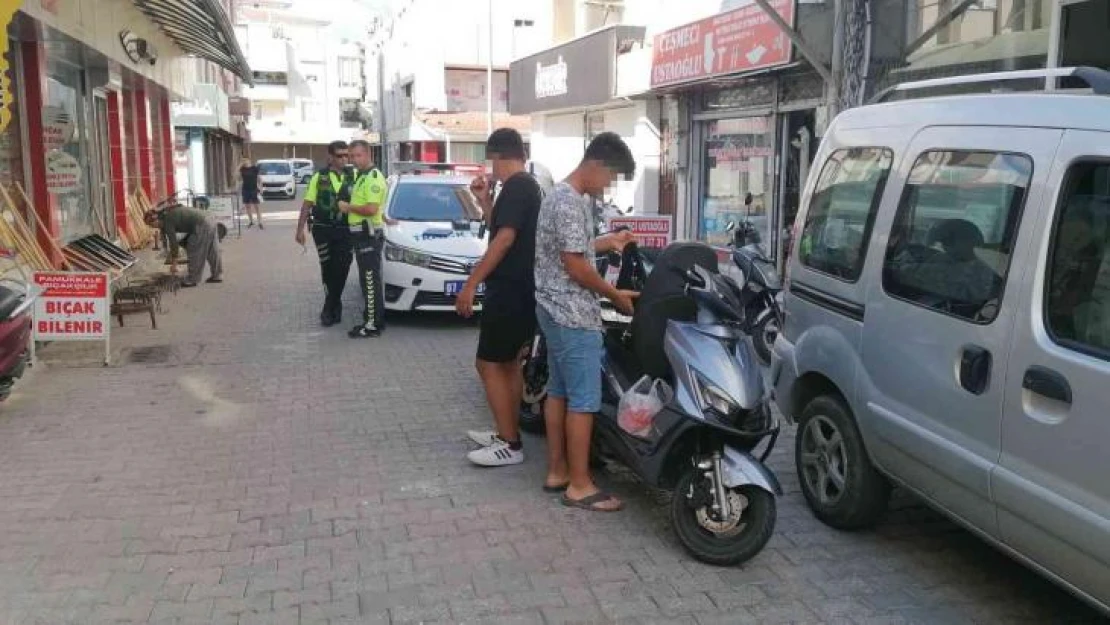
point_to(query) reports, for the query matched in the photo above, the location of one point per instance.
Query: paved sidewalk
(242, 465)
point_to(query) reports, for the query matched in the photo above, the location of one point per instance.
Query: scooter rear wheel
(726, 542)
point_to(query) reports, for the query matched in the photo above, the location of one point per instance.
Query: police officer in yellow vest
(365, 220)
(326, 189)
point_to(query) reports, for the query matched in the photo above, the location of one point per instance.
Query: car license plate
(454, 287)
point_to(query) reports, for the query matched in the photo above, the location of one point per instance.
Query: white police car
(433, 240)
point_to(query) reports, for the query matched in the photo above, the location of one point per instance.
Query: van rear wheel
(841, 486)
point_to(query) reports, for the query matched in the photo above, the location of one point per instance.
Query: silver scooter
(687, 330)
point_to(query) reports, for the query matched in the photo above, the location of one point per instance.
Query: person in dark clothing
(326, 189)
(248, 187)
(202, 241)
(508, 312)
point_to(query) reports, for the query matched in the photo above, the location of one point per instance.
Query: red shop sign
(741, 40)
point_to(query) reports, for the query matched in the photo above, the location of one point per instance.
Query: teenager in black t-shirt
(509, 309)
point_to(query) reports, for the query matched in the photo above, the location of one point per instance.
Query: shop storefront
(88, 117)
(571, 93)
(730, 85)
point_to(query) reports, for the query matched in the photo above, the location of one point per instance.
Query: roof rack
(1097, 80)
(419, 168)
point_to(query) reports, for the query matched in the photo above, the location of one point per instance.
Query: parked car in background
(276, 177)
(947, 321)
(303, 169)
(434, 239)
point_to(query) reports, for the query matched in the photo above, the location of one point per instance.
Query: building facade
(744, 99)
(432, 62)
(90, 92)
(573, 92)
(309, 76)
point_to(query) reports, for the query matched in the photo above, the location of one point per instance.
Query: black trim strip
(817, 297)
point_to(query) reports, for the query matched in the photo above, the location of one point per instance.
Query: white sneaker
(485, 438)
(499, 454)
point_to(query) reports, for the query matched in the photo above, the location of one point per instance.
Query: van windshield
(275, 168)
(433, 202)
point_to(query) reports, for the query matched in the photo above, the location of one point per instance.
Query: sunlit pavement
(242, 465)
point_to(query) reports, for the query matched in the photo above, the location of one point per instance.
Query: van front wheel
(841, 486)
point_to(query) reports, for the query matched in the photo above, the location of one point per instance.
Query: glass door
(738, 160)
(66, 156)
(102, 171)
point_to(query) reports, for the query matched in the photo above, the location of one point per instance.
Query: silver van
(947, 323)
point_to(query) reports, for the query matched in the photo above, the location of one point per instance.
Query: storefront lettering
(192, 107)
(677, 71)
(680, 38)
(736, 41)
(551, 80)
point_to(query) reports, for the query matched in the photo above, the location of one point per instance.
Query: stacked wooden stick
(138, 235)
(16, 232)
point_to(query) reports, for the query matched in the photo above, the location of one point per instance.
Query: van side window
(838, 223)
(954, 232)
(1077, 289)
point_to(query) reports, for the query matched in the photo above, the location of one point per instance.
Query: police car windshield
(274, 168)
(433, 202)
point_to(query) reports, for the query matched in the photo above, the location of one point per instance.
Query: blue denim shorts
(574, 364)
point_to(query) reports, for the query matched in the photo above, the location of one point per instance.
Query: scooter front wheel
(727, 541)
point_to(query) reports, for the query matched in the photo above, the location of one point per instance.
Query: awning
(201, 28)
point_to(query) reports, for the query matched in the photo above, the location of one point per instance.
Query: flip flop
(590, 502)
(555, 489)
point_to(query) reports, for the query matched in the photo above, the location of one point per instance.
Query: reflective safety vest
(325, 189)
(368, 188)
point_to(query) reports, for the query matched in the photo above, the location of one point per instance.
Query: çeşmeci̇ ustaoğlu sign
(7, 11)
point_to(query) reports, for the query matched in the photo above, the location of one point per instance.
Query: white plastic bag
(640, 403)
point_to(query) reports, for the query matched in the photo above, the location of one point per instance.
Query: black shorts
(505, 329)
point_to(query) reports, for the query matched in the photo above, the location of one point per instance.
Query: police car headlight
(398, 254)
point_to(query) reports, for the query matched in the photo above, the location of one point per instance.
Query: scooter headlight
(713, 398)
(398, 254)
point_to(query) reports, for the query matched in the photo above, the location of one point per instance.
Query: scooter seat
(664, 299)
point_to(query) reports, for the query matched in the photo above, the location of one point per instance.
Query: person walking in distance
(202, 241)
(508, 312)
(329, 228)
(365, 220)
(251, 194)
(569, 313)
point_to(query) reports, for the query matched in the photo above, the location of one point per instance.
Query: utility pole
(489, 68)
(382, 124)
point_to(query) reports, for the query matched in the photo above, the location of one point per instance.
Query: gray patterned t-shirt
(565, 225)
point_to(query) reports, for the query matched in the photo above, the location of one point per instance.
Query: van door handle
(975, 369)
(1046, 383)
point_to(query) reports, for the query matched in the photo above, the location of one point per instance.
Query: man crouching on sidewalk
(508, 311)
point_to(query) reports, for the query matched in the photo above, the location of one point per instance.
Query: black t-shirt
(517, 207)
(250, 177)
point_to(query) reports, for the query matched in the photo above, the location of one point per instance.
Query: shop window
(1077, 288)
(842, 211)
(738, 161)
(955, 230)
(65, 149)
